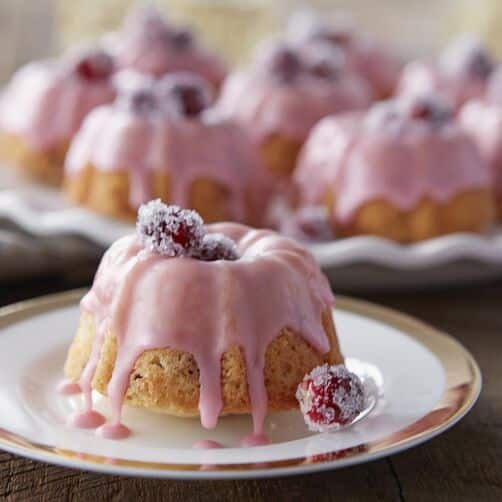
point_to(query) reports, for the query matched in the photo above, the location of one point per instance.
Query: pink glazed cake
(284, 93)
(405, 171)
(460, 74)
(148, 44)
(159, 139)
(43, 106)
(482, 119)
(194, 320)
(363, 55)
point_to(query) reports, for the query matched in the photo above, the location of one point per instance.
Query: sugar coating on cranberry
(330, 397)
(141, 101)
(468, 56)
(170, 230)
(309, 223)
(217, 246)
(429, 108)
(94, 65)
(181, 38)
(185, 95)
(325, 62)
(283, 63)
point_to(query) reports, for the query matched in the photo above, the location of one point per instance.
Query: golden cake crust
(469, 211)
(107, 193)
(167, 380)
(279, 153)
(42, 166)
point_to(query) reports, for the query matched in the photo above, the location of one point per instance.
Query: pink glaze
(255, 439)
(400, 162)
(483, 121)
(265, 107)
(420, 78)
(67, 388)
(204, 308)
(45, 103)
(87, 419)
(207, 444)
(144, 45)
(114, 431)
(365, 58)
(115, 139)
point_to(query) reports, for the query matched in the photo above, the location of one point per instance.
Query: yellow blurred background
(35, 28)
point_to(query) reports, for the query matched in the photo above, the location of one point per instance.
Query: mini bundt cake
(43, 106)
(191, 320)
(146, 43)
(405, 171)
(482, 119)
(158, 139)
(460, 74)
(284, 93)
(364, 56)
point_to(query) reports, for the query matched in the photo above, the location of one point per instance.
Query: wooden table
(465, 463)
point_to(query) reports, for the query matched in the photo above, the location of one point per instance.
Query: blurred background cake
(404, 170)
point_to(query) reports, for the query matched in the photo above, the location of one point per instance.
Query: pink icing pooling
(255, 439)
(400, 162)
(67, 388)
(88, 419)
(137, 294)
(116, 139)
(483, 121)
(207, 444)
(114, 431)
(45, 103)
(265, 107)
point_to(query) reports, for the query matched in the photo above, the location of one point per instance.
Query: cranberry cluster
(94, 65)
(173, 231)
(330, 397)
(287, 64)
(429, 108)
(185, 95)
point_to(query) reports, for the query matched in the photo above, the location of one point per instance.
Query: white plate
(355, 263)
(427, 383)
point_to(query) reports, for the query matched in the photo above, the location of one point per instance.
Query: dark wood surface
(464, 464)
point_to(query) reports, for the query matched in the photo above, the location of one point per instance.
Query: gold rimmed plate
(426, 382)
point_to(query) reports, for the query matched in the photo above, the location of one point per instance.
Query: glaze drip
(247, 302)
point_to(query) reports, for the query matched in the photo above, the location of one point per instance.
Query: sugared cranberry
(325, 63)
(468, 56)
(284, 64)
(480, 64)
(430, 109)
(217, 247)
(310, 223)
(95, 65)
(170, 230)
(330, 397)
(339, 35)
(181, 38)
(140, 101)
(185, 95)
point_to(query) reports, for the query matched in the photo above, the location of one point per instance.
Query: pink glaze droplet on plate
(207, 444)
(114, 431)
(254, 439)
(67, 388)
(88, 419)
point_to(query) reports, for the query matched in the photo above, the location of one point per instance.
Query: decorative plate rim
(42, 211)
(462, 389)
